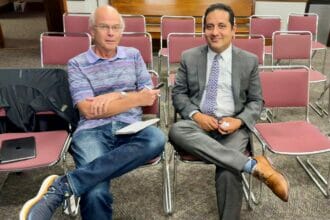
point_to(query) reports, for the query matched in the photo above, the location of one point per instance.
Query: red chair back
(303, 22)
(254, 44)
(141, 41)
(179, 42)
(265, 25)
(154, 109)
(57, 48)
(285, 87)
(134, 23)
(75, 23)
(292, 45)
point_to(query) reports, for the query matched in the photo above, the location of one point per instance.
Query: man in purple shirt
(108, 87)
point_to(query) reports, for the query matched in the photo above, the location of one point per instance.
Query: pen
(148, 87)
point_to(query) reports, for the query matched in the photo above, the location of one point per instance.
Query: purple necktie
(210, 100)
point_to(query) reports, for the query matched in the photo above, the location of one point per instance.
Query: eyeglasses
(106, 28)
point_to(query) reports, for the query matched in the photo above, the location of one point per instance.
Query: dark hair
(220, 6)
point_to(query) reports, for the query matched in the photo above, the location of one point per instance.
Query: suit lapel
(236, 75)
(201, 71)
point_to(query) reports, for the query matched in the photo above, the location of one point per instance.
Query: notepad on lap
(17, 149)
(136, 126)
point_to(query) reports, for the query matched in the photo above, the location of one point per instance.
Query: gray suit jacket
(190, 84)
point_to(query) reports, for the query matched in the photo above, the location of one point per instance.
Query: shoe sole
(42, 191)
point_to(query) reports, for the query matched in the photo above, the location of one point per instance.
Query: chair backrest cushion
(252, 45)
(57, 50)
(302, 23)
(134, 23)
(264, 26)
(140, 41)
(285, 87)
(73, 23)
(176, 25)
(177, 43)
(291, 45)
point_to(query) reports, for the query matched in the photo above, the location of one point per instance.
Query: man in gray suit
(217, 131)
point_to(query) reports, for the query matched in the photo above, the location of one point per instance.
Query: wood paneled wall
(154, 9)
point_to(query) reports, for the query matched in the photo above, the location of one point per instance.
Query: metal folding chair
(154, 111)
(287, 87)
(296, 47)
(265, 25)
(51, 146)
(173, 24)
(176, 44)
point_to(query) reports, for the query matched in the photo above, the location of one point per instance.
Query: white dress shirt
(225, 100)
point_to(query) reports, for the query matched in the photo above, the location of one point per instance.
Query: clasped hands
(225, 125)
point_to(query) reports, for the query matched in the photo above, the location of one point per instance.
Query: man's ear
(234, 28)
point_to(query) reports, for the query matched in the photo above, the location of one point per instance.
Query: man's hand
(147, 97)
(101, 103)
(206, 122)
(228, 125)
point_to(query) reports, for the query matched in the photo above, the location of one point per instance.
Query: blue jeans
(100, 156)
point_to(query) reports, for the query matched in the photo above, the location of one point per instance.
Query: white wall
(279, 8)
(86, 6)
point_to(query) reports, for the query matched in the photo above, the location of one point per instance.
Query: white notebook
(137, 126)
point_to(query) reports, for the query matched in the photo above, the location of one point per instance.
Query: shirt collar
(225, 55)
(92, 57)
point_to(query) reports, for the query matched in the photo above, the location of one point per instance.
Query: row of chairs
(58, 48)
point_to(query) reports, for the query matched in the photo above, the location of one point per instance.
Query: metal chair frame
(307, 165)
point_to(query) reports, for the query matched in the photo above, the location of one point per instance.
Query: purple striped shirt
(91, 75)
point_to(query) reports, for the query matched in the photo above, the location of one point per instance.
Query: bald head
(103, 11)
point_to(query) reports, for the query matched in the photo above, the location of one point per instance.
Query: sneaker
(53, 191)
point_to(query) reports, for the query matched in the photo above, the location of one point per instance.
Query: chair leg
(167, 193)
(166, 103)
(320, 102)
(159, 64)
(321, 182)
(175, 167)
(71, 204)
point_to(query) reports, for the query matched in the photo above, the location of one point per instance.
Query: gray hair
(91, 20)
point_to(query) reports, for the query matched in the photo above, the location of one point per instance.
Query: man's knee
(86, 148)
(155, 141)
(177, 130)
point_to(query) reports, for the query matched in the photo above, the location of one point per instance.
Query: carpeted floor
(138, 194)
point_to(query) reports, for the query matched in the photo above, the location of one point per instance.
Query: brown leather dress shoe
(276, 181)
